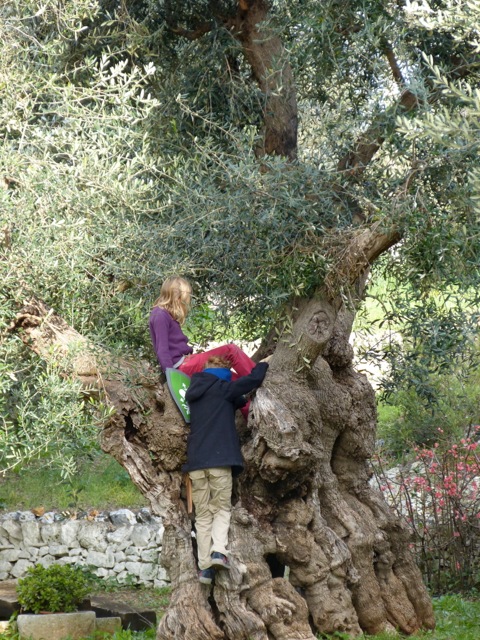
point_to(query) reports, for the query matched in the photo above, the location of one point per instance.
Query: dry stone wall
(120, 545)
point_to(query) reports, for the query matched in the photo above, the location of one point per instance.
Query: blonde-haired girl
(171, 344)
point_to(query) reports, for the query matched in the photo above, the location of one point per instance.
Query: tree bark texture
(264, 51)
(313, 547)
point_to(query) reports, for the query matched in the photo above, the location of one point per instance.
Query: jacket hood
(201, 382)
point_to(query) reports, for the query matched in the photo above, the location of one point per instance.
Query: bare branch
(355, 161)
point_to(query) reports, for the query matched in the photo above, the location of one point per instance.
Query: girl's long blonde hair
(175, 297)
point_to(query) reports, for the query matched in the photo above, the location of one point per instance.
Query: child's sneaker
(220, 560)
(206, 576)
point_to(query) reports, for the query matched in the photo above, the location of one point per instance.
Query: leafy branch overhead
(135, 140)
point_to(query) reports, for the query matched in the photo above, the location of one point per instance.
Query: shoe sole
(205, 580)
(220, 563)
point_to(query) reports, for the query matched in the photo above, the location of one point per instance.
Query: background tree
(147, 138)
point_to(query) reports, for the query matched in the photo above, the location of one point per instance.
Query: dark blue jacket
(213, 439)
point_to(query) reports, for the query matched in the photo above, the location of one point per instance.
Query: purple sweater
(169, 341)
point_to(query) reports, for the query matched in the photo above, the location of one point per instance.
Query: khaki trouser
(212, 497)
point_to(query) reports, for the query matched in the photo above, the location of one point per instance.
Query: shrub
(54, 589)
(410, 420)
(438, 495)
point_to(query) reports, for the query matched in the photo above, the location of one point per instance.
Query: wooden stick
(188, 485)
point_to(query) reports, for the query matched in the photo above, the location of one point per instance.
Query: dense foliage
(129, 133)
(58, 588)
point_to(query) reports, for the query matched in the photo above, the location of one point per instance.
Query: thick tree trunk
(313, 546)
(264, 51)
(313, 431)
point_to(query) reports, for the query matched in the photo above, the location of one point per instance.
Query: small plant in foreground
(54, 589)
(11, 632)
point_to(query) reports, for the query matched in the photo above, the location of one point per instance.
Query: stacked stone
(120, 545)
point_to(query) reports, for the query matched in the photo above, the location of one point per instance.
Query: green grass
(100, 483)
(457, 619)
(124, 634)
(131, 635)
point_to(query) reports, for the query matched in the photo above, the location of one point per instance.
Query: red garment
(240, 363)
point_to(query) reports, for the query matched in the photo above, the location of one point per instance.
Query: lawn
(100, 483)
(457, 619)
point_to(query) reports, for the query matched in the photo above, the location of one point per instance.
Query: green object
(178, 384)
(58, 588)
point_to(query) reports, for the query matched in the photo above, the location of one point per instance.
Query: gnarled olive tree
(313, 546)
(128, 156)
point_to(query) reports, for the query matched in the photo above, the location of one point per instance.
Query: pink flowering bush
(438, 495)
